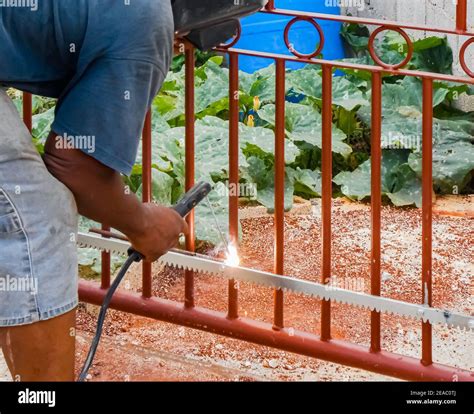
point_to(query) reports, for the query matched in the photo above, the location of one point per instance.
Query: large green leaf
(165, 151)
(409, 92)
(390, 47)
(433, 55)
(453, 149)
(356, 36)
(211, 89)
(262, 141)
(205, 217)
(355, 185)
(211, 149)
(263, 177)
(346, 94)
(401, 186)
(162, 187)
(307, 183)
(266, 196)
(214, 89)
(407, 189)
(359, 77)
(304, 124)
(42, 125)
(260, 83)
(258, 172)
(401, 127)
(308, 82)
(452, 164)
(253, 140)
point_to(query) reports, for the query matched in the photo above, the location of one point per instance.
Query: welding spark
(232, 256)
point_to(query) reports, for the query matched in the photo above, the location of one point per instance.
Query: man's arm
(101, 196)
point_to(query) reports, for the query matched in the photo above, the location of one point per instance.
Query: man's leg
(38, 258)
(42, 351)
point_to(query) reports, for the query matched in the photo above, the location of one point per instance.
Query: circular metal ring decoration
(235, 39)
(462, 57)
(379, 61)
(291, 47)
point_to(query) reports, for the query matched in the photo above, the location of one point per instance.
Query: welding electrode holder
(185, 205)
(190, 200)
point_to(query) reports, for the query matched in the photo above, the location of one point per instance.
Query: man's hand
(159, 233)
(101, 196)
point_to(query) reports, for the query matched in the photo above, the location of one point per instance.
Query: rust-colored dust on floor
(136, 348)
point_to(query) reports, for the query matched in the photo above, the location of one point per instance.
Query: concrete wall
(434, 13)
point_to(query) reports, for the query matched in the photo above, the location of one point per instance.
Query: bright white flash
(232, 257)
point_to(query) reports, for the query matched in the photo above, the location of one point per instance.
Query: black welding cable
(134, 257)
(190, 200)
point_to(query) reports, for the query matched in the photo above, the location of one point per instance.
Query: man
(104, 60)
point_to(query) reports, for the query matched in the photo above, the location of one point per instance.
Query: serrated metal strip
(312, 289)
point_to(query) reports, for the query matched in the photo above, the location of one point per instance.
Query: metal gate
(276, 335)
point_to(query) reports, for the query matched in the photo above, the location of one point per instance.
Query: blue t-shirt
(104, 60)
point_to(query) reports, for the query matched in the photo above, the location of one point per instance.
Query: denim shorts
(38, 228)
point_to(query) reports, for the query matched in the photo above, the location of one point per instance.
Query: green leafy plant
(453, 130)
(399, 182)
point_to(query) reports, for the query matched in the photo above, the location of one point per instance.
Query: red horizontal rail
(261, 333)
(461, 17)
(348, 65)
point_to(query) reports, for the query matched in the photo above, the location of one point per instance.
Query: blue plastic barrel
(264, 32)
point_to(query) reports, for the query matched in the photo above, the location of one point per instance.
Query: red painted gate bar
(427, 216)
(189, 164)
(146, 196)
(274, 334)
(461, 15)
(376, 204)
(279, 219)
(234, 108)
(326, 202)
(28, 110)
